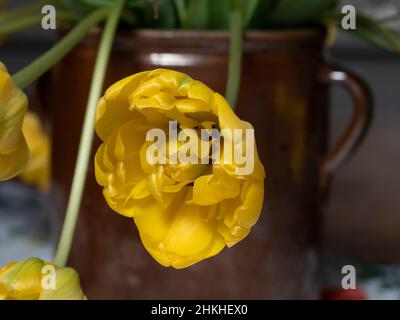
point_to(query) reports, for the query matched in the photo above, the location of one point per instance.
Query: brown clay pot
(284, 94)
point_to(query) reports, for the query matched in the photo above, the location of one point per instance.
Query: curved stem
(10, 15)
(181, 10)
(85, 146)
(29, 21)
(235, 57)
(250, 8)
(20, 24)
(29, 74)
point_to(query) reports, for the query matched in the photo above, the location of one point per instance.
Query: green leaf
(235, 5)
(181, 10)
(219, 14)
(260, 13)
(97, 3)
(198, 14)
(250, 7)
(292, 13)
(167, 18)
(370, 30)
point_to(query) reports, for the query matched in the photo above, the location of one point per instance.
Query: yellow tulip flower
(34, 279)
(184, 212)
(38, 170)
(14, 152)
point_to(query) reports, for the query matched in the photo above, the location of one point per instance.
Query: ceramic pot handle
(358, 125)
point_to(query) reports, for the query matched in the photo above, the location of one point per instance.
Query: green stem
(85, 146)
(235, 56)
(249, 12)
(20, 24)
(181, 10)
(24, 10)
(29, 21)
(29, 74)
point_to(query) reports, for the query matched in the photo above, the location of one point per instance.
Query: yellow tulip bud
(34, 279)
(38, 170)
(67, 286)
(185, 211)
(14, 152)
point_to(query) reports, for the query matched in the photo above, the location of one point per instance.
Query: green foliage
(370, 31)
(197, 15)
(165, 18)
(291, 13)
(219, 14)
(215, 15)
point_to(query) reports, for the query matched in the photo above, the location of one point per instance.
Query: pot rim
(289, 36)
(271, 34)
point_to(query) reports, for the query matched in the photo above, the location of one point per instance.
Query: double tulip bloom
(34, 279)
(184, 212)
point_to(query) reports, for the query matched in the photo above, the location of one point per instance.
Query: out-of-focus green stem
(370, 30)
(182, 12)
(32, 8)
(248, 13)
(235, 56)
(38, 67)
(22, 23)
(85, 146)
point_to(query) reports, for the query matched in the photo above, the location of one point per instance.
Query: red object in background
(342, 294)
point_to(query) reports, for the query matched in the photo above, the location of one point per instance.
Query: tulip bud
(34, 279)
(23, 279)
(67, 287)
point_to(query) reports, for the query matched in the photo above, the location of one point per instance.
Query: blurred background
(362, 217)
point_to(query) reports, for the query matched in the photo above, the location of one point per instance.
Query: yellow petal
(252, 197)
(199, 91)
(113, 110)
(227, 117)
(211, 189)
(203, 191)
(239, 217)
(23, 280)
(67, 287)
(140, 191)
(189, 234)
(215, 247)
(191, 105)
(151, 220)
(183, 239)
(38, 171)
(3, 289)
(13, 163)
(14, 153)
